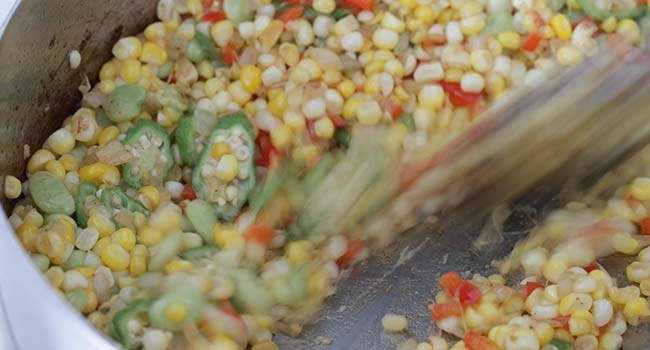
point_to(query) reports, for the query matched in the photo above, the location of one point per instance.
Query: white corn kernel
(394, 323)
(352, 42)
(472, 82)
(429, 72)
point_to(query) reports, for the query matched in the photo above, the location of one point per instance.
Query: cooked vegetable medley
(159, 209)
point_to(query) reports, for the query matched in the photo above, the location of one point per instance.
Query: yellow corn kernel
(371, 85)
(38, 160)
(573, 302)
(227, 168)
(544, 332)
(636, 307)
(312, 68)
(69, 162)
(55, 168)
(624, 295)
(331, 77)
(212, 87)
(99, 173)
(87, 271)
(250, 107)
(50, 244)
(609, 25)
(115, 257)
(108, 71)
(27, 235)
(91, 305)
(351, 106)
(569, 55)
(101, 244)
(205, 69)
(346, 88)
(278, 104)
(33, 217)
(394, 67)
(561, 26)
(220, 149)
(238, 94)
(152, 53)
(395, 136)
(131, 71)
(125, 237)
(324, 128)
(629, 29)
(13, 188)
(299, 252)
(251, 78)
(401, 94)
(178, 265)
(222, 31)
(580, 325)
(137, 265)
(324, 6)
(141, 116)
(625, 244)
(409, 4)
(509, 40)
(472, 25)
(64, 228)
(108, 134)
(55, 275)
(374, 67)
(640, 188)
(281, 136)
(222, 342)
(104, 225)
(127, 48)
(154, 31)
(294, 120)
(563, 334)
(319, 281)
(150, 196)
(610, 341)
(176, 312)
(453, 75)
(225, 235)
(290, 54)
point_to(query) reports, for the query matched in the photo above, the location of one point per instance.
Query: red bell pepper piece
(360, 5)
(591, 267)
(291, 14)
(450, 282)
(468, 293)
(531, 42)
(458, 97)
(475, 341)
(440, 311)
(338, 121)
(213, 16)
(188, 192)
(267, 151)
(260, 233)
(353, 251)
(531, 286)
(229, 54)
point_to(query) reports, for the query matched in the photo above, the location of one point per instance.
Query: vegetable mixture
(159, 209)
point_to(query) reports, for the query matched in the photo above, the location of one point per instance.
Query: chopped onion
(114, 153)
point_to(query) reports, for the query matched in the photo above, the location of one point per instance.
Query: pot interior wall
(38, 89)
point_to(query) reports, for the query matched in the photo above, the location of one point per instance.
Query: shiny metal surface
(38, 90)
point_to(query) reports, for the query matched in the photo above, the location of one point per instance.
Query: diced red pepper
(531, 286)
(291, 13)
(267, 151)
(361, 5)
(188, 192)
(458, 97)
(229, 54)
(260, 233)
(450, 282)
(531, 42)
(476, 341)
(645, 226)
(440, 311)
(353, 251)
(338, 121)
(468, 293)
(207, 3)
(395, 109)
(213, 16)
(591, 267)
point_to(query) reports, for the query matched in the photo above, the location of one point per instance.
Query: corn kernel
(115, 257)
(152, 53)
(137, 265)
(544, 332)
(131, 71)
(127, 48)
(509, 40)
(220, 149)
(103, 225)
(625, 244)
(609, 25)
(13, 188)
(561, 26)
(368, 112)
(281, 136)
(569, 55)
(390, 21)
(91, 305)
(324, 128)
(426, 14)
(225, 235)
(154, 31)
(278, 104)
(629, 29)
(108, 134)
(238, 94)
(55, 275)
(347, 88)
(635, 308)
(251, 78)
(222, 32)
(176, 312)
(299, 252)
(385, 39)
(125, 237)
(27, 234)
(178, 265)
(55, 168)
(38, 160)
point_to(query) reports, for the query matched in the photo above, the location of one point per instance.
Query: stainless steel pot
(38, 89)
